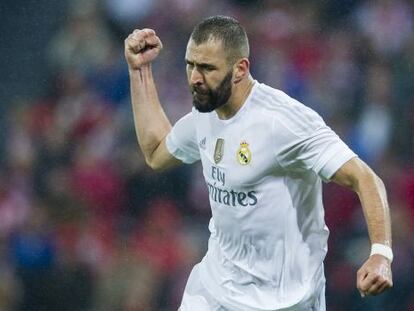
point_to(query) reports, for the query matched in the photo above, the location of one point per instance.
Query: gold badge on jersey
(244, 155)
(219, 150)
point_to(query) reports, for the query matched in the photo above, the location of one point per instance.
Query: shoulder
(286, 112)
(268, 97)
(276, 100)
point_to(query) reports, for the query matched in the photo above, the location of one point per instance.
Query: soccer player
(264, 157)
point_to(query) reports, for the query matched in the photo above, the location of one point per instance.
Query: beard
(211, 99)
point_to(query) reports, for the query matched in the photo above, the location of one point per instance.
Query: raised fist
(141, 48)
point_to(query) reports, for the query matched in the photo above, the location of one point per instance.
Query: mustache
(199, 90)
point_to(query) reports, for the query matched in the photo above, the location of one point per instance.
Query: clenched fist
(374, 276)
(141, 48)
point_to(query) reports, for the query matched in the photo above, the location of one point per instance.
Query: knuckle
(148, 30)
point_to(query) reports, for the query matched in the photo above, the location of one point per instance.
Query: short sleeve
(305, 142)
(181, 142)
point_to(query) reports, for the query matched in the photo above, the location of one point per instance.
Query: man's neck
(236, 100)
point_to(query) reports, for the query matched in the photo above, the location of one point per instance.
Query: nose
(196, 78)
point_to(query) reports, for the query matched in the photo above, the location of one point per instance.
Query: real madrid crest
(244, 155)
(218, 150)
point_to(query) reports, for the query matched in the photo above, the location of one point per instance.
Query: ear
(241, 70)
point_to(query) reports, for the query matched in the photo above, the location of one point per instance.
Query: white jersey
(264, 169)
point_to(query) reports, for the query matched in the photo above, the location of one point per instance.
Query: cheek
(212, 80)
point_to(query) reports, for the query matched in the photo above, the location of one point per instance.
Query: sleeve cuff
(185, 157)
(334, 163)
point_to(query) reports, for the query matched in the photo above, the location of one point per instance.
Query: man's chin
(203, 107)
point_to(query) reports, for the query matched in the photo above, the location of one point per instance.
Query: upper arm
(161, 158)
(179, 146)
(304, 142)
(352, 173)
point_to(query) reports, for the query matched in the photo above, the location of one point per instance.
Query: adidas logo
(202, 143)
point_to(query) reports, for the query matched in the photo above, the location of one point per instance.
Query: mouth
(199, 90)
(199, 94)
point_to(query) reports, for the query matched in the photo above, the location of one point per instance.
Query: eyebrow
(201, 65)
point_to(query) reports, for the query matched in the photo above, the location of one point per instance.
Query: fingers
(140, 39)
(386, 285)
(365, 281)
(142, 46)
(372, 283)
(378, 287)
(153, 41)
(147, 31)
(368, 281)
(361, 275)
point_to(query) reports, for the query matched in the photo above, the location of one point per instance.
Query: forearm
(373, 197)
(151, 123)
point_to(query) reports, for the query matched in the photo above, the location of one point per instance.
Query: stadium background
(84, 225)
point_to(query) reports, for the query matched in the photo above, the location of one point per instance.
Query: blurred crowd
(85, 225)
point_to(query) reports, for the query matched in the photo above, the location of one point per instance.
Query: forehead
(209, 52)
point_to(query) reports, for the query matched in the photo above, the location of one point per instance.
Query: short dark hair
(226, 29)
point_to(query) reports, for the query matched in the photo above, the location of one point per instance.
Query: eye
(208, 68)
